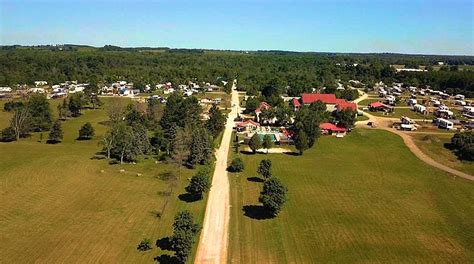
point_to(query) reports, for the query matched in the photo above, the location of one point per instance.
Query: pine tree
(86, 131)
(201, 148)
(56, 134)
(216, 122)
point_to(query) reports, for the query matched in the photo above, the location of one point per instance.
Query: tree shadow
(53, 142)
(448, 145)
(292, 153)
(258, 212)
(255, 179)
(97, 157)
(166, 176)
(166, 259)
(246, 152)
(189, 198)
(164, 243)
(106, 123)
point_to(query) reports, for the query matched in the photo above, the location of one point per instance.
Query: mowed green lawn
(364, 198)
(434, 146)
(399, 112)
(59, 205)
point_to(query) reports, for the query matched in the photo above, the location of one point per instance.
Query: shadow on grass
(164, 243)
(292, 153)
(83, 138)
(258, 212)
(106, 123)
(245, 152)
(189, 198)
(255, 179)
(166, 259)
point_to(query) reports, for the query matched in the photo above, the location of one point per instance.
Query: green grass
(399, 112)
(59, 204)
(365, 197)
(362, 118)
(434, 146)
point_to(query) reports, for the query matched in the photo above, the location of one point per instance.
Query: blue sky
(402, 26)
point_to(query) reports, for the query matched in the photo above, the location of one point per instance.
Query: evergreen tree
(237, 165)
(56, 133)
(201, 147)
(86, 131)
(184, 234)
(216, 122)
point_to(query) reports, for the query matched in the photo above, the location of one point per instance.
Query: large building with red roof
(332, 103)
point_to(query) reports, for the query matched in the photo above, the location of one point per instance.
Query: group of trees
(32, 115)
(273, 194)
(256, 143)
(307, 122)
(277, 72)
(463, 145)
(178, 131)
(185, 231)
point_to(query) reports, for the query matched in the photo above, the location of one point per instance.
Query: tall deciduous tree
(267, 142)
(41, 117)
(301, 142)
(265, 168)
(20, 122)
(199, 184)
(273, 195)
(255, 143)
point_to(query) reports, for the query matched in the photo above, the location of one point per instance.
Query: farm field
(433, 146)
(365, 197)
(59, 204)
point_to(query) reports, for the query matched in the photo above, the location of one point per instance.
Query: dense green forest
(289, 72)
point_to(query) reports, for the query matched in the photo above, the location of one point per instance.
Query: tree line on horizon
(293, 72)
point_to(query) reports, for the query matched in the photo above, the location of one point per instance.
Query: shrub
(144, 245)
(8, 134)
(237, 165)
(199, 184)
(86, 132)
(463, 145)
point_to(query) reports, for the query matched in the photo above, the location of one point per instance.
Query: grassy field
(399, 112)
(59, 204)
(434, 146)
(364, 198)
